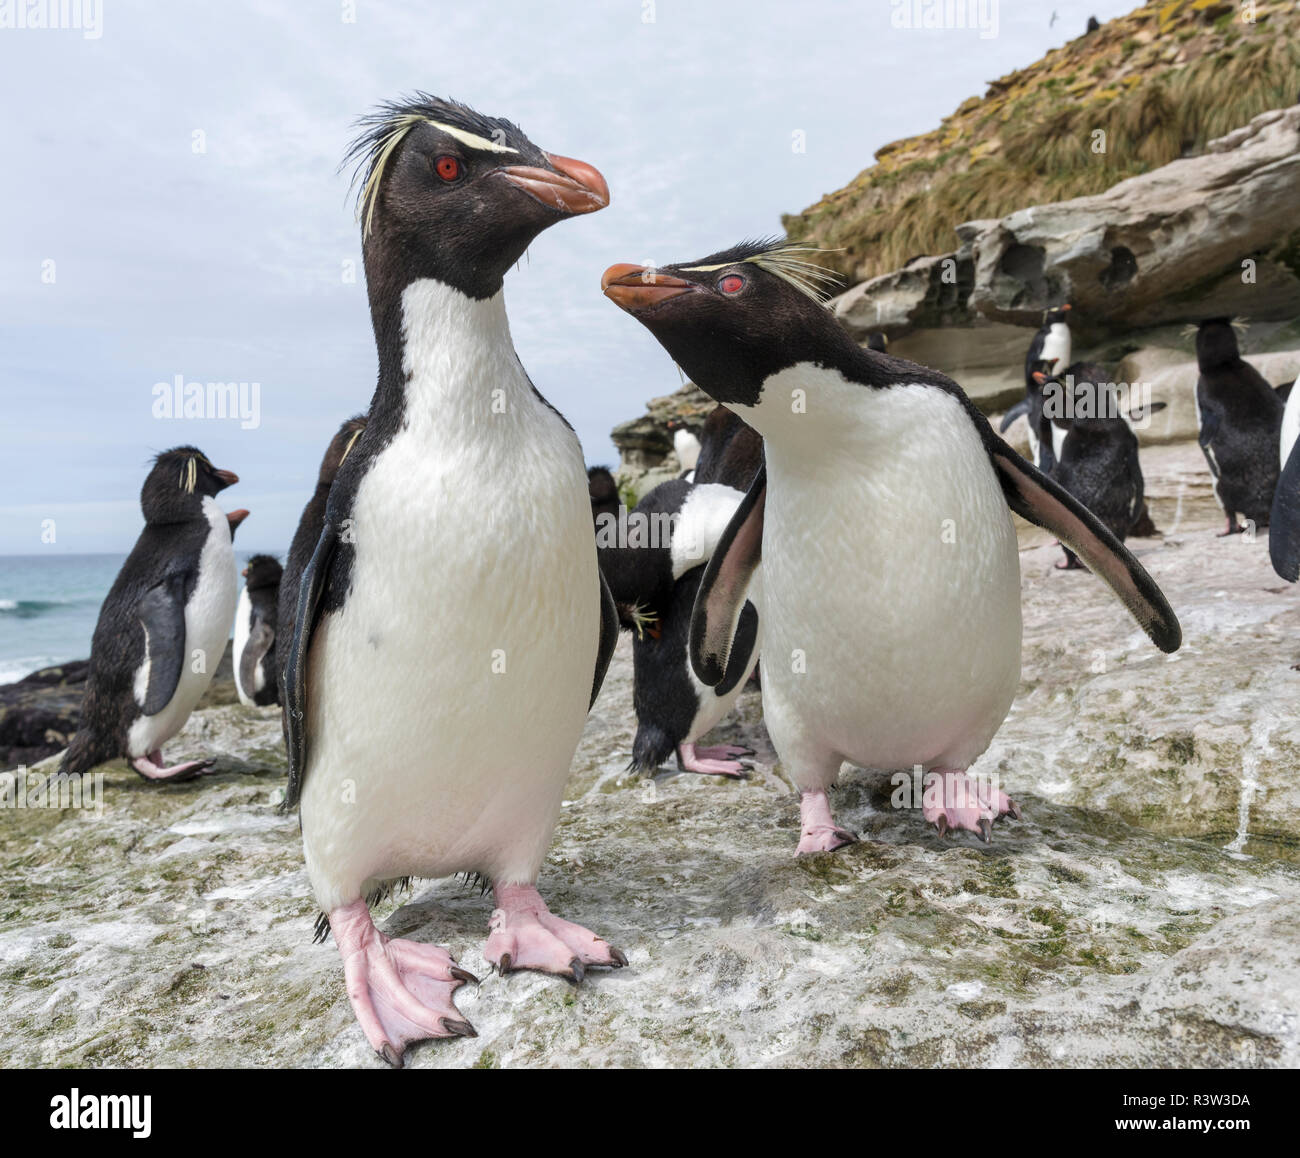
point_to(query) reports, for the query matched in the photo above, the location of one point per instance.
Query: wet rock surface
(1144, 912)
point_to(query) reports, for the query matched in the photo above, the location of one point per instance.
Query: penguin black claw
(464, 975)
(458, 1028)
(1014, 809)
(504, 965)
(390, 1055)
(617, 957)
(578, 971)
(986, 830)
(942, 825)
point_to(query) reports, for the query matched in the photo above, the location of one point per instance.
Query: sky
(173, 204)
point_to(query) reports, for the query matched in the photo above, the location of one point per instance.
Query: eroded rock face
(1162, 247)
(1143, 913)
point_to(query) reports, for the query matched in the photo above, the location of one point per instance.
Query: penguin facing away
(256, 681)
(1097, 462)
(442, 664)
(163, 626)
(308, 531)
(1284, 518)
(846, 597)
(603, 491)
(654, 578)
(731, 451)
(1239, 415)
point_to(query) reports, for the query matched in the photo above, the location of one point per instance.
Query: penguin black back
(1240, 416)
(603, 491)
(311, 522)
(163, 567)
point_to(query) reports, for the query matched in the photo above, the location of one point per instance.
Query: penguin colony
(477, 733)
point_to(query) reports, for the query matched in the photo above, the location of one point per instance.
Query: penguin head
(1058, 315)
(180, 479)
(450, 194)
(878, 342)
(733, 319)
(262, 571)
(340, 446)
(1216, 343)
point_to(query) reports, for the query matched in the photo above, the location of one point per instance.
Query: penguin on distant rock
(1239, 415)
(890, 573)
(163, 627)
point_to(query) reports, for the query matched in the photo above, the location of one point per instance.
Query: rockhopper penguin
(1049, 352)
(1239, 415)
(164, 624)
(1284, 519)
(448, 639)
(891, 577)
(1096, 459)
(256, 681)
(654, 577)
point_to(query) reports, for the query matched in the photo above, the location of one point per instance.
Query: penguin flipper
(162, 614)
(1284, 521)
(1021, 407)
(1034, 496)
(721, 597)
(608, 637)
(259, 643)
(742, 649)
(310, 592)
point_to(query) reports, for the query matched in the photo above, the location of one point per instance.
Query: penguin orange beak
(637, 287)
(234, 518)
(244, 573)
(573, 187)
(228, 479)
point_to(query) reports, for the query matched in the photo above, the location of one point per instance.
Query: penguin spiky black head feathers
(448, 193)
(175, 487)
(263, 571)
(1056, 314)
(1216, 342)
(732, 319)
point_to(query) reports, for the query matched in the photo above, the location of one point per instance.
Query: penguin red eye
(447, 167)
(731, 284)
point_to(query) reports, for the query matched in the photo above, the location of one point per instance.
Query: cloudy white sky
(172, 206)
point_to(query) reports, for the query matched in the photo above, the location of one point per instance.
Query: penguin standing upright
(443, 661)
(308, 531)
(164, 624)
(603, 491)
(254, 654)
(1049, 353)
(889, 640)
(1096, 460)
(1239, 415)
(1284, 518)
(654, 578)
(686, 445)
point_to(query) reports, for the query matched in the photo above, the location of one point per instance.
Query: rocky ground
(1144, 912)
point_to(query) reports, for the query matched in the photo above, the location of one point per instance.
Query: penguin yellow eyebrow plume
(351, 443)
(782, 259)
(190, 475)
(385, 130)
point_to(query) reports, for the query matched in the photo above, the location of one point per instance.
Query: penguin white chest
(448, 694)
(207, 627)
(891, 578)
(243, 628)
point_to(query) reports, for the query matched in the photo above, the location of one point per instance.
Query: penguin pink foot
(401, 991)
(525, 934)
(951, 801)
(1233, 528)
(818, 831)
(151, 767)
(715, 761)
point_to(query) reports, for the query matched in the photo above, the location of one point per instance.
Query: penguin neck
(443, 353)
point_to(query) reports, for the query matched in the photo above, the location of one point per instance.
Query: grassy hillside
(1160, 82)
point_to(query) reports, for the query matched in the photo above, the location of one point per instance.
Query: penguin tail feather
(86, 750)
(650, 749)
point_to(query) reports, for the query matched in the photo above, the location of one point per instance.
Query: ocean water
(49, 605)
